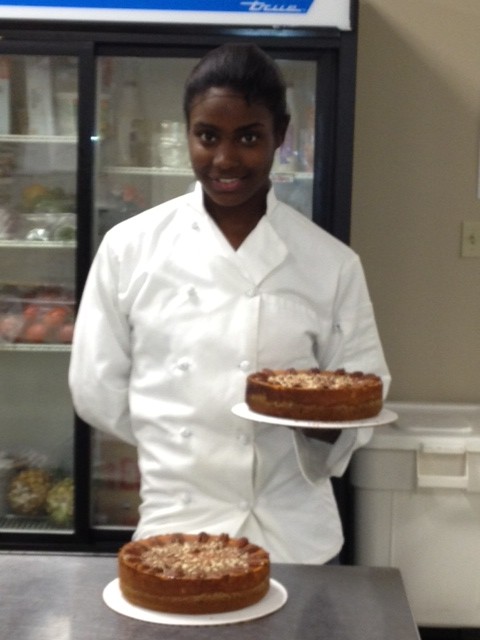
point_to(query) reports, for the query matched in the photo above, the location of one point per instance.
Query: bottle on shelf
(306, 140)
(66, 95)
(18, 94)
(104, 124)
(4, 95)
(131, 130)
(39, 94)
(286, 159)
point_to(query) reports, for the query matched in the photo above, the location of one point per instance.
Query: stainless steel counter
(59, 597)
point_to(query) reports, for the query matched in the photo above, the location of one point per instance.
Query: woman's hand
(326, 435)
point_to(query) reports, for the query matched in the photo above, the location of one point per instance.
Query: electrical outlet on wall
(470, 239)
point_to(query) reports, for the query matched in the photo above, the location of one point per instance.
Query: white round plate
(384, 417)
(274, 600)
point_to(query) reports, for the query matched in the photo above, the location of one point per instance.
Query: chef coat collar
(262, 251)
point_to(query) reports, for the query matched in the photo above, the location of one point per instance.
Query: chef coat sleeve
(100, 360)
(354, 345)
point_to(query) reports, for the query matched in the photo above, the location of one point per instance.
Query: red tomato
(30, 312)
(65, 333)
(55, 317)
(36, 332)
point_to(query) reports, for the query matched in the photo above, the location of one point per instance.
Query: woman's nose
(226, 155)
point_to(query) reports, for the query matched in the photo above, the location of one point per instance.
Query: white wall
(415, 181)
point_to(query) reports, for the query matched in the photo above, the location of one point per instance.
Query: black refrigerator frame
(331, 206)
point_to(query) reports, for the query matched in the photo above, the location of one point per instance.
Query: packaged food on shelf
(59, 503)
(36, 315)
(65, 228)
(48, 226)
(34, 491)
(38, 493)
(27, 491)
(40, 198)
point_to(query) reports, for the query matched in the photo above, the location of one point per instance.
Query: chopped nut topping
(204, 557)
(314, 379)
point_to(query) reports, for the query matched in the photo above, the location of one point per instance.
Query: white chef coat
(172, 320)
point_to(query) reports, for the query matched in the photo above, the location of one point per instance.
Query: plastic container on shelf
(48, 226)
(417, 507)
(170, 145)
(36, 315)
(7, 467)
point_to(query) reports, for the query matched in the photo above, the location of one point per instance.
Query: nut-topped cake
(313, 394)
(193, 574)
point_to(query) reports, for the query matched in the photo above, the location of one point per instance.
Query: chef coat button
(183, 365)
(191, 291)
(244, 365)
(185, 497)
(244, 505)
(251, 293)
(195, 226)
(185, 432)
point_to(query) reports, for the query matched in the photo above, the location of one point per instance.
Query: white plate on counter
(272, 601)
(386, 416)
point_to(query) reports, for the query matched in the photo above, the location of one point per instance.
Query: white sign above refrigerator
(290, 13)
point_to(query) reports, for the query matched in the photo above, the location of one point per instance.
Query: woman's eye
(249, 138)
(207, 137)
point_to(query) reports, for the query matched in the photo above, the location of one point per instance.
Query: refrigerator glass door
(141, 160)
(38, 142)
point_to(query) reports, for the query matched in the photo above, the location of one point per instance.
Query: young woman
(187, 298)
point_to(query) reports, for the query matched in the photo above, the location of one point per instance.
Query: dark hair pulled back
(246, 69)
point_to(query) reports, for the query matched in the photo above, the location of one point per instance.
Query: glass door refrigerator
(92, 133)
(38, 241)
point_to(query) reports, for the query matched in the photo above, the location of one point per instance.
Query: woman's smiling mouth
(226, 184)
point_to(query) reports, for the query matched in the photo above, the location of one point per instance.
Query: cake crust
(314, 394)
(193, 573)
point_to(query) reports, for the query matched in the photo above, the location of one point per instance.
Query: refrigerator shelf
(12, 523)
(38, 244)
(277, 176)
(147, 171)
(30, 347)
(24, 139)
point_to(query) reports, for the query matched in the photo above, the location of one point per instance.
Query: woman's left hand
(326, 435)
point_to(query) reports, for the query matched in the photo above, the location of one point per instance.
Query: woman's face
(232, 145)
